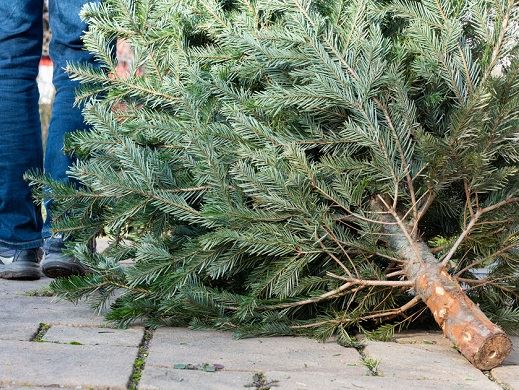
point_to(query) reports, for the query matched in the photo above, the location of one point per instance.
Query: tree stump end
(493, 352)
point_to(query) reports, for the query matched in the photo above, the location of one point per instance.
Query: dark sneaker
(19, 264)
(55, 263)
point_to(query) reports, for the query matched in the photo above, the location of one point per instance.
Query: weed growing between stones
(40, 333)
(140, 360)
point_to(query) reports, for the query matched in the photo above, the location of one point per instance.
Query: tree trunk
(483, 343)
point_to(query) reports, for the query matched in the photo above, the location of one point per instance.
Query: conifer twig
(364, 282)
(481, 260)
(385, 313)
(468, 196)
(471, 225)
(401, 226)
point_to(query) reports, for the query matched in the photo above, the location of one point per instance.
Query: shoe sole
(24, 272)
(61, 269)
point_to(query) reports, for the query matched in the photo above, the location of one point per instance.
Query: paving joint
(370, 363)
(43, 328)
(493, 379)
(140, 359)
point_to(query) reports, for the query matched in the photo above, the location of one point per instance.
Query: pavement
(50, 344)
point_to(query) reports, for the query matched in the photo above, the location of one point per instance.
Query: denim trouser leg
(65, 47)
(20, 132)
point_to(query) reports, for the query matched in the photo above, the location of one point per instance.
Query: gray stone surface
(423, 338)
(508, 373)
(95, 336)
(180, 345)
(21, 287)
(164, 378)
(27, 310)
(507, 376)
(383, 383)
(104, 359)
(36, 388)
(513, 359)
(286, 357)
(48, 364)
(427, 362)
(18, 332)
(19, 308)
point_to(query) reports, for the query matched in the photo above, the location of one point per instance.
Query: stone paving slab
(95, 336)
(21, 287)
(287, 357)
(427, 362)
(382, 383)
(164, 378)
(513, 359)
(179, 345)
(423, 338)
(36, 388)
(27, 310)
(507, 376)
(48, 364)
(17, 331)
(508, 373)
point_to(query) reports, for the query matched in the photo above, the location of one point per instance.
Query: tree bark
(482, 342)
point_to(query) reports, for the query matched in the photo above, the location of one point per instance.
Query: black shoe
(19, 264)
(55, 263)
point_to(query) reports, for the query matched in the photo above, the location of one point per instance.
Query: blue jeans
(21, 34)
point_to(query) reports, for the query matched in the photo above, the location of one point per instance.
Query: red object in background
(45, 61)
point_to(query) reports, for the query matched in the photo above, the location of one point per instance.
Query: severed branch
(393, 312)
(468, 196)
(481, 260)
(479, 212)
(385, 313)
(364, 282)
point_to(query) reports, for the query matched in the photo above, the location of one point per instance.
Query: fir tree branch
(402, 227)
(499, 44)
(394, 312)
(490, 282)
(337, 242)
(383, 314)
(341, 290)
(461, 238)
(468, 197)
(364, 282)
(340, 263)
(500, 204)
(471, 225)
(395, 273)
(425, 207)
(404, 162)
(488, 257)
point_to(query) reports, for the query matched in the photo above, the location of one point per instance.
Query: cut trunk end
(493, 351)
(482, 342)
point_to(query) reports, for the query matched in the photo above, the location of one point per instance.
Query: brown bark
(483, 343)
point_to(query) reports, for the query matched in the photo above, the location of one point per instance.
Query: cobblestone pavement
(49, 344)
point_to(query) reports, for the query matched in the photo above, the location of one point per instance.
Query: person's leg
(20, 134)
(65, 47)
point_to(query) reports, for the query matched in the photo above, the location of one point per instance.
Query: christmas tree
(301, 167)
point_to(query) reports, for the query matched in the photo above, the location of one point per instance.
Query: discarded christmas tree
(303, 167)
